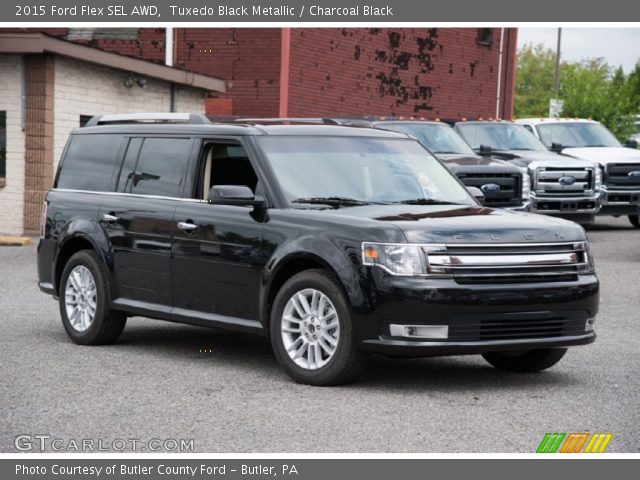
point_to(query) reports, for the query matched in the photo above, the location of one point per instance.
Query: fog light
(433, 332)
(590, 326)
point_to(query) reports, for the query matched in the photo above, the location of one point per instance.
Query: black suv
(332, 241)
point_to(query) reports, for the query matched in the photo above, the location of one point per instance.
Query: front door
(216, 263)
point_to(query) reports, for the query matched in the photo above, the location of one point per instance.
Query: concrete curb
(8, 240)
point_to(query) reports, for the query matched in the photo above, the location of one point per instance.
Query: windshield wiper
(332, 201)
(424, 201)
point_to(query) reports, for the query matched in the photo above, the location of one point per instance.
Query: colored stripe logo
(574, 442)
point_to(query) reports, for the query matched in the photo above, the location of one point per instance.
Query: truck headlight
(526, 183)
(597, 181)
(401, 259)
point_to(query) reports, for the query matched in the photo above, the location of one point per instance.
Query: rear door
(217, 262)
(139, 220)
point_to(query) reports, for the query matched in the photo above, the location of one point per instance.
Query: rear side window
(159, 169)
(89, 161)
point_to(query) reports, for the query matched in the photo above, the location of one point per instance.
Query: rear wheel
(312, 333)
(85, 301)
(635, 221)
(527, 361)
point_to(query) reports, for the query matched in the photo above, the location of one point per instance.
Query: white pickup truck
(590, 140)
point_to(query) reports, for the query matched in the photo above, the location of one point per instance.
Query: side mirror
(477, 194)
(557, 147)
(485, 150)
(238, 195)
(632, 144)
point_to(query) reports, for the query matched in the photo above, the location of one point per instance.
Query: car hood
(466, 223)
(476, 163)
(605, 155)
(526, 158)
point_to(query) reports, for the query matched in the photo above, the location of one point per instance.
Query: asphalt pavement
(225, 391)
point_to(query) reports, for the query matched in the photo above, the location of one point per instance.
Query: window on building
(485, 36)
(3, 148)
(84, 119)
(160, 169)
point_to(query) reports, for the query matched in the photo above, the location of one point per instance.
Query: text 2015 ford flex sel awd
(332, 241)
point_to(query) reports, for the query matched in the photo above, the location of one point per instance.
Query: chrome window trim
(123, 194)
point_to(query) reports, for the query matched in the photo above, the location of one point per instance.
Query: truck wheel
(312, 333)
(85, 301)
(634, 220)
(527, 361)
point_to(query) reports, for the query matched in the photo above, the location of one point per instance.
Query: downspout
(23, 100)
(498, 91)
(285, 56)
(168, 61)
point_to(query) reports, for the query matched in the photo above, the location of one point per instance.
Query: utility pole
(556, 73)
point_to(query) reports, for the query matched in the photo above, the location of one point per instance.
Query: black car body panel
(227, 271)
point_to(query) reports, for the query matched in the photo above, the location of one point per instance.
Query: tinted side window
(88, 163)
(160, 169)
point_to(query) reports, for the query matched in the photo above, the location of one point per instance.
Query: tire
(527, 361)
(106, 325)
(634, 220)
(322, 363)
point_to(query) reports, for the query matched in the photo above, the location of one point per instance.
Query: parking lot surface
(226, 392)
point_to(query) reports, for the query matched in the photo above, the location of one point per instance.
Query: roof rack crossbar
(188, 118)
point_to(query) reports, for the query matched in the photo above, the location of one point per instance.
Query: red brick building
(433, 73)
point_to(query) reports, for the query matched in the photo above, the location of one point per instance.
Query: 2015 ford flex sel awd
(332, 241)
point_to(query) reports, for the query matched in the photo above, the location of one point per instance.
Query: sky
(618, 46)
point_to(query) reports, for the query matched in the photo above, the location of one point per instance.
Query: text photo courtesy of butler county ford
(400, 240)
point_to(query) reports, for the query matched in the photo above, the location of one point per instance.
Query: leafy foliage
(590, 88)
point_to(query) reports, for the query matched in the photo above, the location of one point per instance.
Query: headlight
(526, 183)
(586, 266)
(597, 182)
(401, 259)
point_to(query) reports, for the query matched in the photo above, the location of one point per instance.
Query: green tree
(590, 88)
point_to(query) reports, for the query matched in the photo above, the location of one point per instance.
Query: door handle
(107, 217)
(186, 226)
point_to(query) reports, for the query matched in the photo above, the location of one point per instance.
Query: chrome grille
(510, 263)
(510, 185)
(556, 181)
(620, 175)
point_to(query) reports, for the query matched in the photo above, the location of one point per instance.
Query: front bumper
(620, 202)
(565, 205)
(478, 318)
(525, 206)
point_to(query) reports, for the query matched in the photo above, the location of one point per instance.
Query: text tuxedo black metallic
(333, 241)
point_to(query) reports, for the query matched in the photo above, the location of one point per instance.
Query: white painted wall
(11, 196)
(85, 89)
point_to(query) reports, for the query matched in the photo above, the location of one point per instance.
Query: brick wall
(248, 58)
(440, 72)
(38, 159)
(12, 194)
(86, 89)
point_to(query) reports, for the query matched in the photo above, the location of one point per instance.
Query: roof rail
(189, 118)
(328, 121)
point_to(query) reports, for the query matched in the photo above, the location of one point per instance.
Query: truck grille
(620, 176)
(511, 263)
(564, 182)
(508, 195)
(517, 326)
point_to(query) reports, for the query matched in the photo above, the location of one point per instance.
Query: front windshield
(439, 139)
(367, 170)
(577, 135)
(499, 136)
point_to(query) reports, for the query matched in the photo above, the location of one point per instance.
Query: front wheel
(312, 333)
(527, 361)
(634, 220)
